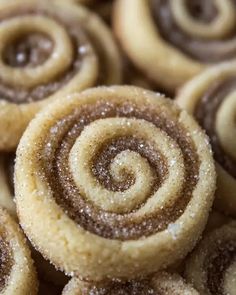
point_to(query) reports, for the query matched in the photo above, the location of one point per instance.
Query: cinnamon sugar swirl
(176, 39)
(115, 170)
(212, 266)
(48, 49)
(211, 98)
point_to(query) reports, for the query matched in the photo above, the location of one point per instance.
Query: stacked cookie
(113, 186)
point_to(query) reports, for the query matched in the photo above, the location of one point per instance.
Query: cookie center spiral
(39, 52)
(125, 163)
(202, 10)
(28, 51)
(60, 58)
(120, 171)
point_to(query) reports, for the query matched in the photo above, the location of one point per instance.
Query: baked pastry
(17, 273)
(6, 183)
(114, 170)
(212, 266)
(177, 39)
(48, 49)
(162, 283)
(211, 98)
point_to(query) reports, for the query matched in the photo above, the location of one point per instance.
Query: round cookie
(17, 273)
(177, 38)
(114, 170)
(162, 283)
(48, 49)
(211, 98)
(211, 267)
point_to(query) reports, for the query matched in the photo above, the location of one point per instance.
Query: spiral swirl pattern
(211, 97)
(162, 283)
(184, 36)
(124, 165)
(212, 266)
(54, 50)
(203, 30)
(17, 273)
(47, 50)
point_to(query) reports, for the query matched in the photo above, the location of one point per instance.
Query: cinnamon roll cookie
(163, 284)
(6, 182)
(212, 266)
(17, 273)
(211, 98)
(177, 39)
(115, 170)
(48, 49)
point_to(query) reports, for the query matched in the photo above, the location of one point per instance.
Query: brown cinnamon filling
(201, 10)
(56, 170)
(198, 48)
(219, 263)
(205, 113)
(28, 51)
(6, 263)
(34, 49)
(117, 288)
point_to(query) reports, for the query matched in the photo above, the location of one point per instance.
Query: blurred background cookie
(172, 41)
(48, 49)
(212, 266)
(211, 98)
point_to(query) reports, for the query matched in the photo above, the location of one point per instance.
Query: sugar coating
(160, 284)
(82, 157)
